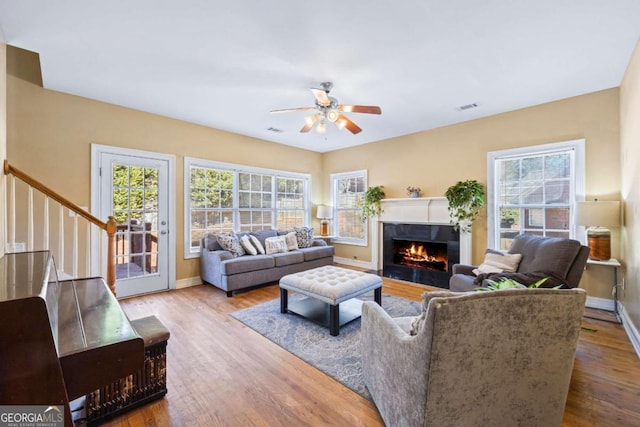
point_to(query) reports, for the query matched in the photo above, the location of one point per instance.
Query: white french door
(134, 187)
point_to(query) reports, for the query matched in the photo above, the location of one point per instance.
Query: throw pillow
(274, 245)
(257, 244)
(292, 241)
(304, 236)
(498, 263)
(245, 241)
(231, 243)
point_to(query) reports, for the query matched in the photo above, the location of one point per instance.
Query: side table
(614, 264)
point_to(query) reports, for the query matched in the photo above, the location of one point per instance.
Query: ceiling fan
(328, 109)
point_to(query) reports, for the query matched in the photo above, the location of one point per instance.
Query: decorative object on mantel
(324, 214)
(413, 192)
(597, 216)
(370, 203)
(466, 198)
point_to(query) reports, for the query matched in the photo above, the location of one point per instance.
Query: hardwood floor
(221, 373)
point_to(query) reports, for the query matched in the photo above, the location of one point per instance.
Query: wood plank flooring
(222, 373)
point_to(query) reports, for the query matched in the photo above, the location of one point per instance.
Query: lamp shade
(598, 214)
(324, 212)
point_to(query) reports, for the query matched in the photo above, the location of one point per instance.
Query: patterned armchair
(501, 358)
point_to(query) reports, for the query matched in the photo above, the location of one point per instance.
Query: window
(347, 189)
(222, 197)
(533, 190)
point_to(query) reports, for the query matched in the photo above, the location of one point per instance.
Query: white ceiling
(227, 64)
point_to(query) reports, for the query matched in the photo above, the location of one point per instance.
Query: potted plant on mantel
(466, 198)
(370, 203)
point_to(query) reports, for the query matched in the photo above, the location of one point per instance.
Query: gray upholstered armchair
(562, 260)
(501, 358)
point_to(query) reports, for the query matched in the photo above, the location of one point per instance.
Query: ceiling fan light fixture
(341, 123)
(322, 127)
(332, 115)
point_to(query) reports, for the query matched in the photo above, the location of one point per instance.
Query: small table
(615, 264)
(331, 293)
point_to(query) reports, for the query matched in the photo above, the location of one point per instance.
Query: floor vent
(467, 107)
(276, 130)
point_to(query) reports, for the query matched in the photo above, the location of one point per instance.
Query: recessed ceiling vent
(467, 107)
(276, 130)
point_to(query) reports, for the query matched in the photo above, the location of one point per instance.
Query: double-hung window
(347, 189)
(223, 197)
(533, 190)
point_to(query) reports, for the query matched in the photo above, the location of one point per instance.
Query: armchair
(500, 358)
(563, 259)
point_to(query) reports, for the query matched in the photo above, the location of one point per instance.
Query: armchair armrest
(392, 362)
(467, 270)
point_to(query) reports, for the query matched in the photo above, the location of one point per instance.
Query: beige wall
(49, 137)
(3, 140)
(630, 168)
(435, 159)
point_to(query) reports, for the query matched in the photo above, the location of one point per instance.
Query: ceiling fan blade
(368, 109)
(343, 121)
(287, 110)
(321, 97)
(309, 122)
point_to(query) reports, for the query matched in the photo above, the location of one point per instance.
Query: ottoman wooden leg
(334, 319)
(284, 300)
(377, 295)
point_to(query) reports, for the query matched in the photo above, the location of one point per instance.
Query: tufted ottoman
(330, 295)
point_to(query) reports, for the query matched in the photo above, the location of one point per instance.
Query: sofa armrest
(210, 269)
(463, 269)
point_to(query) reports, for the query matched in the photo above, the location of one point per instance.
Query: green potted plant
(370, 203)
(466, 198)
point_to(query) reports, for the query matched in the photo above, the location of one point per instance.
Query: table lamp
(597, 216)
(324, 214)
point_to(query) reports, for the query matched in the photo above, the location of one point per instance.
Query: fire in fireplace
(431, 255)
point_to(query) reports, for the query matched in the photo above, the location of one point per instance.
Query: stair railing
(109, 227)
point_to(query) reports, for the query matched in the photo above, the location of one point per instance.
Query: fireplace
(420, 253)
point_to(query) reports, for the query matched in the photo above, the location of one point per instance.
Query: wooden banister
(109, 226)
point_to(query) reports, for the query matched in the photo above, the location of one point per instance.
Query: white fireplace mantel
(420, 210)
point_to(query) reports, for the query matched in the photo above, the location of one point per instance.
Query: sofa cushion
(317, 252)
(288, 258)
(210, 242)
(274, 245)
(545, 254)
(304, 235)
(231, 243)
(262, 235)
(246, 263)
(292, 241)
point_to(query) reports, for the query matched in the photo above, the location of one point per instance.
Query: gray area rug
(338, 357)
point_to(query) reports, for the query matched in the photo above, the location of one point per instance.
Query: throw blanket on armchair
(523, 278)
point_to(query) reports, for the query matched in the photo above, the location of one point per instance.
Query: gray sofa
(562, 261)
(219, 267)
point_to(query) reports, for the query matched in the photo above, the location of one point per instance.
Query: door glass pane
(135, 207)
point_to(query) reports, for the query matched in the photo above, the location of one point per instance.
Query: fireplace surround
(422, 222)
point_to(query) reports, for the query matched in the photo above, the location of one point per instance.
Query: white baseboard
(600, 303)
(354, 262)
(630, 328)
(189, 281)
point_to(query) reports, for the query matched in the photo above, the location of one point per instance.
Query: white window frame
(578, 179)
(334, 177)
(190, 162)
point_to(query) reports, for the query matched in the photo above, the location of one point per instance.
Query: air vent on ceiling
(276, 130)
(467, 107)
